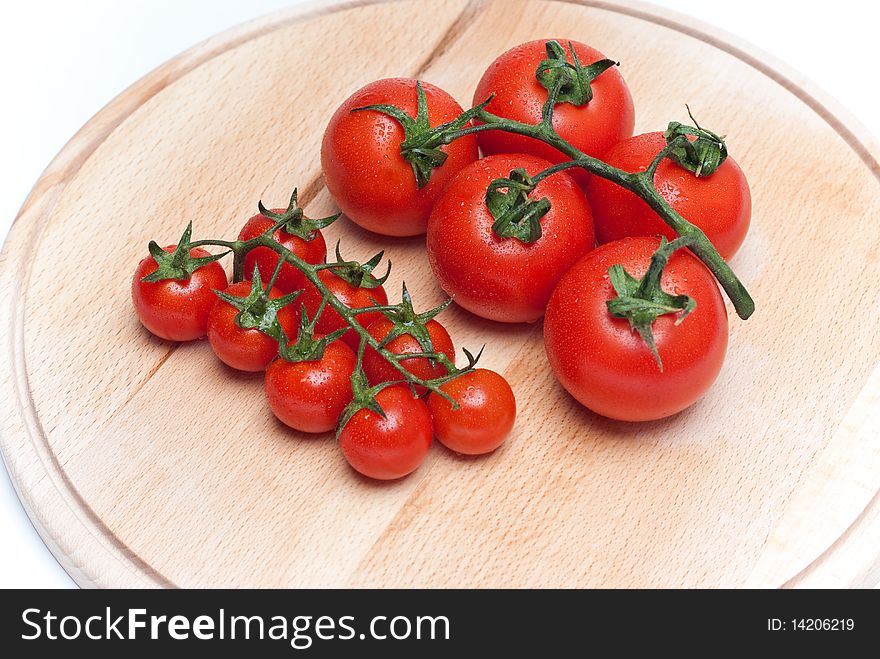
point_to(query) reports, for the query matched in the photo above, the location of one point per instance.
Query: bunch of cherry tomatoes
(635, 328)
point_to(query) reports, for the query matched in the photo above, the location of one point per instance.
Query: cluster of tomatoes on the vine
(382, 374)
(511, 237)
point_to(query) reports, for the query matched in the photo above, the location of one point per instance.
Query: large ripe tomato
(720, 204)
(606, 365)
(351, 296)
(364, 170)
(378, 369)
(289, 278)
(485, 417)
(310, 395)
(177, 309)
(246, 349)
(506, 279)
(593, 128)
(393, 446)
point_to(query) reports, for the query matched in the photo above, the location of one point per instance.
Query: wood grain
(122, 447)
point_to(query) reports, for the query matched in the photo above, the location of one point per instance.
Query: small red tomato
(351, 296)
(593, 127)
(177, 309)
(606, 365)
(378, 369)
(390, 447)
(498, 278)
(289, 278)
(245, 349)
(310, 395)
(720, 204)
(485, 417)
(373, 184)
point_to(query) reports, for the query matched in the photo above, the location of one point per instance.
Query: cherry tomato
(720, 204)
(310, 395)
(378, 369)
(485, 417)
(173, 309)
(390, 447)
(371, 181)
(351, 296)
(289, 278)
(593, 128)
(506, 279)
(240, 348)
(606, 365)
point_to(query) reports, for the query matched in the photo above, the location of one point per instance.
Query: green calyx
(257, 310)
(642, 301)
(307, 348)
(363, 395)
(179, 264)
(701, 156)
(359, 275)
(421, 146)
(516, 215)
(405, 321)
(570, 80)
(294, 222)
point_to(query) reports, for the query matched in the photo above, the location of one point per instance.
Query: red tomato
(245, 349)
(606, 365)
(720, 204)
(289, 279)
(352, 297)
(371, 181)
(485, 417)
(173, 309)
(503, 278)
(378, 369)
(311, 395)
(391, 447)
(593, 128)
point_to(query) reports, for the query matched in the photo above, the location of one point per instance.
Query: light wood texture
(123, 449)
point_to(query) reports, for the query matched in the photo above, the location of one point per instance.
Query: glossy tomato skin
(366, 174)
(389, 448)
(486, 414)
(593, 128)
(310, 395)
(351, 296)
(720, 204)
(289, 279)
(607, 366)
(177, 310)
(378, 370)
(505, 279)
(245, 349)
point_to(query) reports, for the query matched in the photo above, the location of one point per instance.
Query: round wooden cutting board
(144, 463)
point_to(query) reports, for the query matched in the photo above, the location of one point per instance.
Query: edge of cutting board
(842, 549)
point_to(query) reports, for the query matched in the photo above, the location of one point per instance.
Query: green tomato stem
(640, 184)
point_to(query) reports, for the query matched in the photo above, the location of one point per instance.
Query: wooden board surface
(122, 447)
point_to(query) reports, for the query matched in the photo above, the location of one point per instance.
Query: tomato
(390, 447)
(378, 369)
(246, 349)
(606, 365)
(373, 184)
(351, 296)
(289, 278)
(177, 309)
(593, 128)
(485, 417)
(497, 278)
(310, 395)
(720, 204)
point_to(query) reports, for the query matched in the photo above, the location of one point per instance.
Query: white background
(62, 60)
